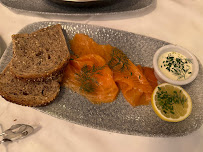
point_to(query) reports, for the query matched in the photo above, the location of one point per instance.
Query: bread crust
(35, 87)
(26, 102)
(31, 61)
(19, 91)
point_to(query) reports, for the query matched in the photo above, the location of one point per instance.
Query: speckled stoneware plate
(48, 7)
(118, 116)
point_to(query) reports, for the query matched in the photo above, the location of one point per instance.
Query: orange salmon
(89, 76)
(134, 85)
(149, 74)
(82, 44)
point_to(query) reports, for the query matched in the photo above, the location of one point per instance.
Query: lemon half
(171, 103)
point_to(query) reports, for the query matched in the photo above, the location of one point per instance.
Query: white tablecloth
(177, 21)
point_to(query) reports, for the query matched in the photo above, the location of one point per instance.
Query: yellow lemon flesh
(171, 103)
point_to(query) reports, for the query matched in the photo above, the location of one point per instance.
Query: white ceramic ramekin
(168, 48)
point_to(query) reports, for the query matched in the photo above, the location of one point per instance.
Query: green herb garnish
(119, 60)
(177, 66)
(88, 82)
(166, 100)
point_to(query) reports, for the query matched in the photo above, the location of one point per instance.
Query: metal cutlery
(16, 132)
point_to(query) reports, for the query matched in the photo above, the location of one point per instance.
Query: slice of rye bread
(40, 53)
(27, 92)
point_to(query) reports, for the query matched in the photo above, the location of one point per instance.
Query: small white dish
(174, 48)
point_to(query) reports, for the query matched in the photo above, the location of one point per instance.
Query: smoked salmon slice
(91, 77)
(82, 44)
(134, 85)
(132, 81)
(149, 74)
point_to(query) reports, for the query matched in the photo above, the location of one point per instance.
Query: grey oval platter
(118, 116)
(48, 7)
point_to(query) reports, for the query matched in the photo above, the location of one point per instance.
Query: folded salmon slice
(134, 85)
(149, 74)
(136, 88)
(82, 44)
(91, 77)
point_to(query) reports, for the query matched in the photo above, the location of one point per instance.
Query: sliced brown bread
(26, 92)
(40, 53)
